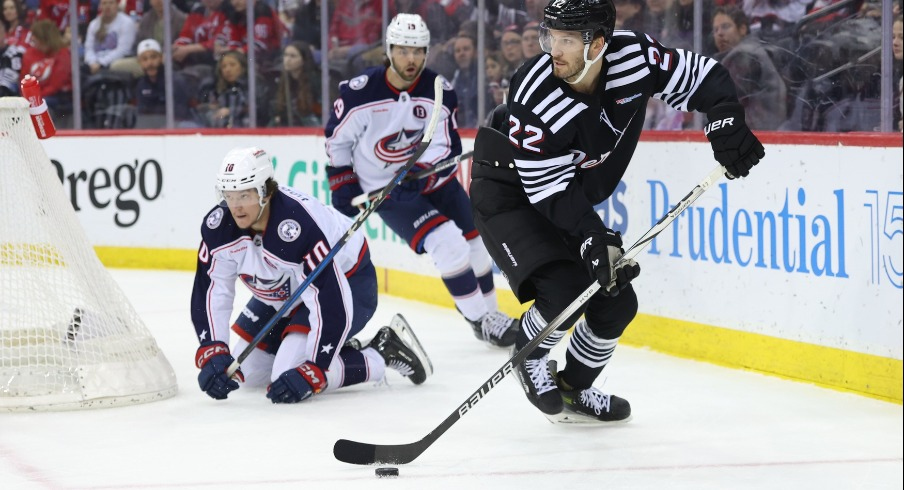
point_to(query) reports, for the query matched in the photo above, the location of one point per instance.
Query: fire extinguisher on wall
(37, 107)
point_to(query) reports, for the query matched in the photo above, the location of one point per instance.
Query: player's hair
(271, 185)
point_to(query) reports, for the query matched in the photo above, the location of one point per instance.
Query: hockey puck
(386, 471)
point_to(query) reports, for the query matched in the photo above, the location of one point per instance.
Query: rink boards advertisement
(796, 271)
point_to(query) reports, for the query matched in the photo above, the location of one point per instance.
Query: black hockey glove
(213, 359)
(734, 145)
(345, 187)
(297, 384)
(601, 252)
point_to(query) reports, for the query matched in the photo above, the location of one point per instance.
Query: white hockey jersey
(375, 128)
(300, 233)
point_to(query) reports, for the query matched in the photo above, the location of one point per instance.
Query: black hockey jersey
(571, 149)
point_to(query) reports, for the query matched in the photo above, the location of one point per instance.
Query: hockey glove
(297, 384)
(601, 252)
(734, 145)
(344, 187)
(213, 358)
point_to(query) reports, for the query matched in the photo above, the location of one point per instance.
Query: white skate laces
(540, 376)
(595, 399)
(403, 368)
(494, 324)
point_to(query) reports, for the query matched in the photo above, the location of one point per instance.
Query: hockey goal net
(69, 338)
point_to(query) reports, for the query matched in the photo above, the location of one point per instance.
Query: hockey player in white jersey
(271, 238)
(375, 127)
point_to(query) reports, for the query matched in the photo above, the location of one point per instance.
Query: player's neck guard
(588, 63)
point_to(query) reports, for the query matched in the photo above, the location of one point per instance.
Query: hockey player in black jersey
(571, 126)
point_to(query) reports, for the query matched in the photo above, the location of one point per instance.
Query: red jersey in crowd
(54, 72)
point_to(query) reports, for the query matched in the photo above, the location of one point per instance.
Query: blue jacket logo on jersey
(268, 289)
(397, 147)
(214, 218)
(289, 230)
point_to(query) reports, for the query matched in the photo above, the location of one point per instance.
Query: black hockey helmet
(589, 16)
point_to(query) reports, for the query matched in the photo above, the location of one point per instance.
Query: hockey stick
(421, 148)
(363, 453)
(449, 162)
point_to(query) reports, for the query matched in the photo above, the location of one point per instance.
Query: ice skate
(540, 385)
(589, 406)
(402, 351)
(496, 328)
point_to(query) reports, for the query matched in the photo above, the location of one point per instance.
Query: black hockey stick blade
(363, 453)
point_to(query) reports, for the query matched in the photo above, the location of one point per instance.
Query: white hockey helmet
(245, 168)
(407, 30)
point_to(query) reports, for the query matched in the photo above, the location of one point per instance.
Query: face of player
(408, 61)
(238, 5)
(567, 51)
(244, 206)
(897, 44)
(291, 60)
(9, 11)
(150, 62)
(726, 32)
(230, 69)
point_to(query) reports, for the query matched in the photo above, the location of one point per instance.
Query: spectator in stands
(771, 19)
(629, 14)
(443, 17)
(465, 80)
(297, 101)
(897, 46)
(110, 36)
(512, 51)
(227, 106)
(761, 89)
(151, 27)
(307, 23)
(57, 11)
(151, 89)
(10, 65)
(530, 40)
(534, 9)
(196, 43)
(497, 83)
(13, 20)
(355, 27)
(48, 60)
(267, 32)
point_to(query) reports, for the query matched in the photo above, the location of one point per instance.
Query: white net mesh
(69, 338)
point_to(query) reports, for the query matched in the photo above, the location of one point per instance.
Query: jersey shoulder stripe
(541, 94)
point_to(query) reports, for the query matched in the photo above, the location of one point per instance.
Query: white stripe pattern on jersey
(589, 349)
(544, 66)
(629, 63)
(532, 323)
(545, 177)
(689, 73)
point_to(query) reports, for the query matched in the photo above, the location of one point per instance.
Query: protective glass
(565, 41)
(244, 197)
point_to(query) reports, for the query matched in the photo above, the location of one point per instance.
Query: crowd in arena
(800, 65)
